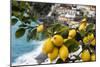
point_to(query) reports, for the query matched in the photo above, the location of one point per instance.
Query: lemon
(85, 55)
(82, 26)
(72, 33)
(69, 37)
(48, 46)
(40, 28)
(63, 52)
(53, 55)
(90, 36)
(93, 42)
(85, 40)
(84, 20)
(57, 40)
(93, 57)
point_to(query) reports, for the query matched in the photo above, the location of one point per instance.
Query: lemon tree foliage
(72, 45)
(59, 39)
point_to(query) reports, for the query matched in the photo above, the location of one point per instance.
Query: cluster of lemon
(86, 56)
(89, 39)
(54, 46)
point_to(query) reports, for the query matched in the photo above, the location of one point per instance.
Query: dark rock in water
(41, 58)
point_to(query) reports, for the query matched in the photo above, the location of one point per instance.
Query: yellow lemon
(84, 20)
(93, 42)
(40, 28)
(48, 46)
(85, 40)
(53, 55)
(82, 26)
(93, 57)
(69, 37)
(85, 55)
(72, 33)
(90, 36)
(57, 40)
(63, 52)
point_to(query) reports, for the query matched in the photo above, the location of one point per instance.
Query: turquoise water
(20, 46)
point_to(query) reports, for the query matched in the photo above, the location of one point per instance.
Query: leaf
(14, 21)
(34, 34)
(78, 58)
(82, 33)
(18, 14)
(14, 2)
(64, 34)
(22, 25)
(90, 27)
(29, 35)
(72, 45)
(22, 4)
(20, 32)
(26, 20)
(59, 61)
(78, 36)
(56, 27)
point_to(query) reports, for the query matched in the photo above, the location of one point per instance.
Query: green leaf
(90, 27)
(26, 20)
(22, 25)
(18, 14)
(20, 32)
(29, 36)
(14, 21)
(72, 45)
(77, 57)
(14, 2)
(64, 32)
(34, 34)
(22, 4)
(56, 27)
(82, 33)
(78, 36)
(59, 61)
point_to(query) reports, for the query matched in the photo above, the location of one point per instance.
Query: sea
(20, 46)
